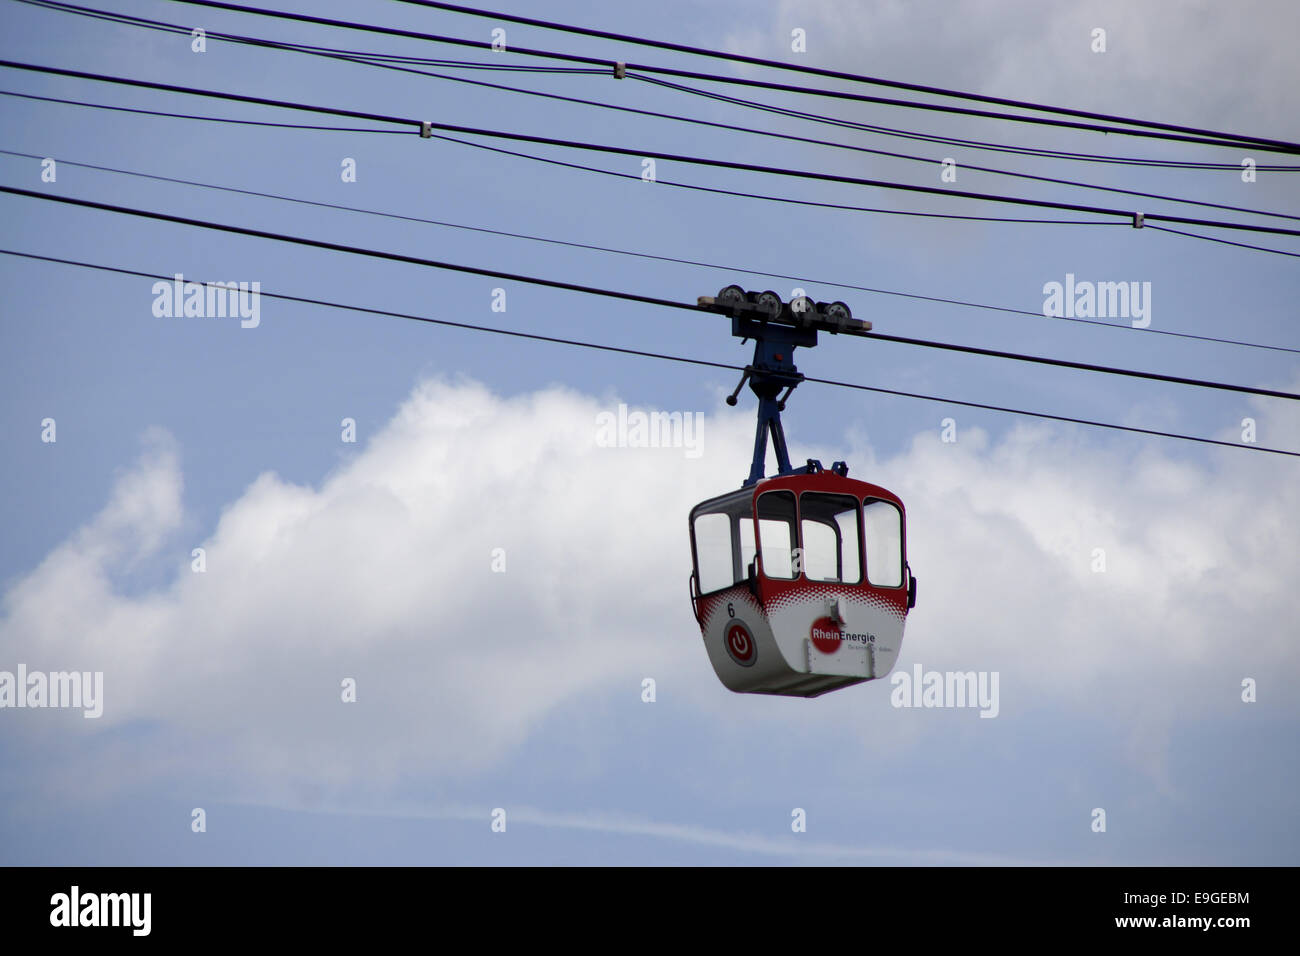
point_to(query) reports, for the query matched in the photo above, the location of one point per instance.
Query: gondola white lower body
(832, 637)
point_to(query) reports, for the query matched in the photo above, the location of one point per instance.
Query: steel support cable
(651, 256)
(1235, 142)
(831, 74)
(578, 343)
(616, 294)
(355, 57)
(671, 157)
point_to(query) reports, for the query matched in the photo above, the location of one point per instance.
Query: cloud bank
(383, 573)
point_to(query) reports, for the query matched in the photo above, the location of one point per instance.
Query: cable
(355, 57)
(646, 255)
(365, 58)
(1226, 242)
(823, 205)
(690, 186)
(378, 59)
(832, 74)
(578, 343)
(210, 119)
(211, 94)
(605, 66)
(671, 157)
(883, 184)
(1235, 142)
(615, 294)
(727, 192)
(779, 199)
(1036, 151)
(354, 250)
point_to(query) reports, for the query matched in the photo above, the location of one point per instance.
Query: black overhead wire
(670, 157)
(830, 74)
(366, 59)
(1226, 242)
(382, 59)
(1231, 140)
(578, 343)
(829, 205)
(378, 59)
(667, 183)
(210, 119)
(1035, 151)
(126, 19)
(211, 94)
(616, 294)
(675, 185)
(709, 189)
(343, 247)
(871, 209)
(647, 255)
(890, 338)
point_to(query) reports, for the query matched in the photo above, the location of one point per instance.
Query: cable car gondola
(800, 581)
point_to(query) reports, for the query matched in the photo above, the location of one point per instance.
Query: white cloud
(382, 573)
(1203, 64)
(1197, 63)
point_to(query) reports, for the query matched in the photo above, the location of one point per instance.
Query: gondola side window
(831, 537)
(713, 552)
(776, 534)
(883, 533)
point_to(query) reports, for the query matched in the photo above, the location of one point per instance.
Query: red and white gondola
(800, 582)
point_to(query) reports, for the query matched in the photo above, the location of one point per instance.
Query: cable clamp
(426, 129)
(620, 70)
(1137, 220)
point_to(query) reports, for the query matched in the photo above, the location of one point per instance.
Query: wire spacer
(620, 70)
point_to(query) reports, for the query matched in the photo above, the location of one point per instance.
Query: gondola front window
(776, 535)
(831, 537)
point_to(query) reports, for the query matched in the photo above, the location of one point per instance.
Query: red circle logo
(825, 635)
(740, 644)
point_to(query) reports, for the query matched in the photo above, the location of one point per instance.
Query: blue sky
(522, 690)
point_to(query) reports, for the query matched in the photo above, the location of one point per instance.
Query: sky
(497, 586)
